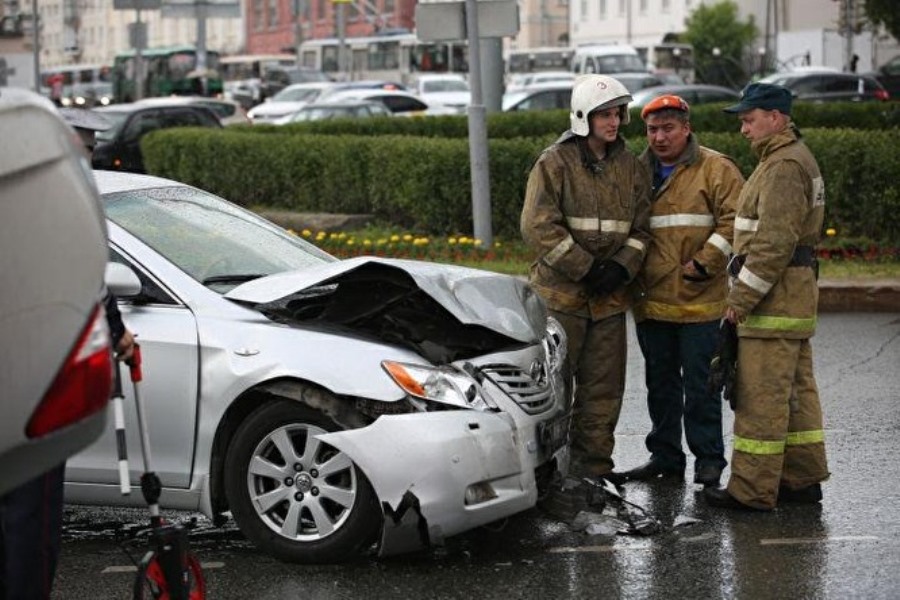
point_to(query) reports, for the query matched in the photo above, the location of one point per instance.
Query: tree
(884, 12)
(719, 41)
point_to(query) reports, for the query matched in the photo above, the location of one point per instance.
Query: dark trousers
(677, 359)
(30, 529)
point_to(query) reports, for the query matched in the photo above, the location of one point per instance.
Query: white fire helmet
(596, 92)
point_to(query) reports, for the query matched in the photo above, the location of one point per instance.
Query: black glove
(723, 366)
(605, 277)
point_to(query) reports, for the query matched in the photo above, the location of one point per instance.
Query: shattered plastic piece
(685, 520)
(597, 523)
(634, 518)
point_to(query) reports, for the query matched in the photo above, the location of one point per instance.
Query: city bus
(78, 85)
(170, 70)
(392, 57)
(669, 59)
(242, 67)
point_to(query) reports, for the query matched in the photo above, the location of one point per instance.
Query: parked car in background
(888, 75)
(326, 404)
(821, 86)
(339, 109)
(278, 78)
(88, 95)
(229, 112)
(638, 81)
(542, 96)
(119, 147)
(695, 93)
(287, 101)
(400, 103)
(520, 81)
(444, 89)
(54, 343)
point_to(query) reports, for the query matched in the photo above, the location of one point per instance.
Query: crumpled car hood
(444, 312)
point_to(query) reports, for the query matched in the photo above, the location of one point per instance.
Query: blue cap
(766, 96)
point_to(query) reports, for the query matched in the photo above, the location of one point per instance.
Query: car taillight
(82, 386)
(882, 95)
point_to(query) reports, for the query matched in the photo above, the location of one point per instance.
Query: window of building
(584, 9)
(389, 6)
(258, 15)
(602, 6)
(643, 7)
(666, 6)
(622, 7)
(322, 12)
(273, 13)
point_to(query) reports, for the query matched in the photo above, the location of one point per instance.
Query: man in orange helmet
(694, 194)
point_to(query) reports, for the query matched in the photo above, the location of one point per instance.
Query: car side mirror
(121, 280)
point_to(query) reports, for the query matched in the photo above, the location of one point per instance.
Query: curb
(850, 296)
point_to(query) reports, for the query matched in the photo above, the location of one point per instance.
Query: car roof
(309, 85)
(163, 100)
(111, 182)
(130, 107)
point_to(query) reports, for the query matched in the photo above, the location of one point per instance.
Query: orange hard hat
(663, 102)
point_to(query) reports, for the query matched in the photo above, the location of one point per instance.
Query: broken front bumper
(437, 474)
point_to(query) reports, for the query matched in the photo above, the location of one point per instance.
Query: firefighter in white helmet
(586, 214)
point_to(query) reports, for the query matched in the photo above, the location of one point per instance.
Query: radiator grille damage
(530, 389)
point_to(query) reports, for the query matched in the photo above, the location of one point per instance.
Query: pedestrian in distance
(779, 441)
(683, 284)
(585, 214)
(31, 514)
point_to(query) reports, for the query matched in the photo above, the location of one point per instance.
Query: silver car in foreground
(328, 405)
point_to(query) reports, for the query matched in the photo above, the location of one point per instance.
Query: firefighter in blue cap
(779, 442)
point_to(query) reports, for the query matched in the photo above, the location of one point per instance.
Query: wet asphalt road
(849, 547)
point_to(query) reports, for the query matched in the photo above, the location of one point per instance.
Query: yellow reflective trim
(559, 250)
(758, 446)
(798, 438)
(782, 323)
(663, 311)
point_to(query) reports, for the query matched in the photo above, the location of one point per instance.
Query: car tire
(286, 506)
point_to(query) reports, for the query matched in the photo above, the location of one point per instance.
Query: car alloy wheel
(298, 498)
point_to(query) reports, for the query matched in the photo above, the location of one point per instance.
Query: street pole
(201, 45)
(342, 47)
(478, 155)
(138, 60)
(36, 36)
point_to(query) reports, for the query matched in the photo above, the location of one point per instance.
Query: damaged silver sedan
(329, 406)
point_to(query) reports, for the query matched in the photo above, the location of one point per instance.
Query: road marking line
(836, 538)
(133, 569)
(594, 549)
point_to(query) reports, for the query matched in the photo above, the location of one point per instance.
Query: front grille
(530, 390)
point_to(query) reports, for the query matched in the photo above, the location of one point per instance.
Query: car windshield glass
(116, 119)
(207, 237)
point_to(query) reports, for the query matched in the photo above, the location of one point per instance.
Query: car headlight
(555, 344)
(444, 385)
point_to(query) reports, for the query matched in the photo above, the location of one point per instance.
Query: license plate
(554, 434)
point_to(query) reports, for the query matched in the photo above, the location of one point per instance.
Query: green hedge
(705, 119)
(423, 183)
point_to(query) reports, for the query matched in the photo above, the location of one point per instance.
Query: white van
(608, 59)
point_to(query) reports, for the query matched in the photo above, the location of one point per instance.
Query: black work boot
(651, 470)
(720, 498)
(807, 495)
(708, 475)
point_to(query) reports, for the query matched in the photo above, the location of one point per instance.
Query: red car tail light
(83, 384)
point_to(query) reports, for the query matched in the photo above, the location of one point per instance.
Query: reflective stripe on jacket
(691, 217)
(578, 209)
(781, 207)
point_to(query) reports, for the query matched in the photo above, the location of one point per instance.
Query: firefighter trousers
(779, 439)
(597, 354)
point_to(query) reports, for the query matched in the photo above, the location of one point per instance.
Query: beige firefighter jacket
(782, 206)
(692, 217)
(578, 209)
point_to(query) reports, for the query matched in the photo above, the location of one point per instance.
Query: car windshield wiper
(236, 278)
